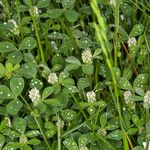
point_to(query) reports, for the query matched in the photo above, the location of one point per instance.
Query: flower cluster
(52, 78)
(147, 100)
(8, 121)
(83, 148)
(15, 28)
(34, 95)
(91, 96)
(87, 56)
(102, 132)
(131, 41)
(35, 11)
(113, 2)
(60, 123)
(23, 139)
(130, 103)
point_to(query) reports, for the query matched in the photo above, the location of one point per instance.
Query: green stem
(59, 133)
(36, 31)
(40, 128)
(8, 9)
(20, 26)
(102, 37)
(116, 12)
(37, 122)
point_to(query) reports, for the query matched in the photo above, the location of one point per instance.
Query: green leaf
(132, 131)
(68, 3)
(136, 120)
(15, 57)
(83, 83)
(36, 83)
(111, 127)
(103, 120)
(5, 92)
(56, 35)
(2, 70)
(68, 114)
(51, 129)
(17, 85)
(67, 82)
(7, 47)
(43, 3)
(34, 141)
(47, 92)
(2, 141)
(137, 30)
(135, 98)
(70, 144)
(71, 15)
(124, 84)
(28, 70)
(32, 133)
(28, 43)
(115, 135)
(14, 106)
(84, 139)
(54, 13)
(84, 43)
(88, 68)
(139, 91)
(140, 81)
(63, 75)
(138, 148)
(10, 133)
(73, 60)
(19, 125)
(54, 102)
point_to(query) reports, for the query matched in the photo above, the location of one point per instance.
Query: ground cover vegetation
(74, 74)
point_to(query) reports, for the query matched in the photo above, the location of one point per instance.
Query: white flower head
(8, 121)
(102, 132)
(146, 103)
(130, 103)
(91, 96)
(132, 41)
(87, 56)
(23, 139)
(35, 11)
(15, 29)
(60, 123)
(52, 78)
(113, 2)
(145, 144)
(83, 148)
(122, 17)
(34, 95)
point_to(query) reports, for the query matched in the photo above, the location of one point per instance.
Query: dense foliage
(74, 74)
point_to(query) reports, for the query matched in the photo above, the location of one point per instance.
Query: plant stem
(37, 122)
(36, 31)
(102, 37)
(59, 132)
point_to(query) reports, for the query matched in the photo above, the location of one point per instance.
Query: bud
(113, 2)
(130, 103)
(102, 132)
(146, 103)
